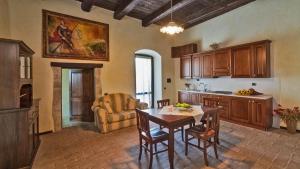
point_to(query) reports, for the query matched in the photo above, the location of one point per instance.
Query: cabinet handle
(249, 101)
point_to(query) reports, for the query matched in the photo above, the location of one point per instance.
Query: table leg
(171, 148)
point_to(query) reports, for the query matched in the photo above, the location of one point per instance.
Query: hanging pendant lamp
(171, 28)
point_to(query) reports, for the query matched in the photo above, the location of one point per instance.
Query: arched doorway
(148, 73)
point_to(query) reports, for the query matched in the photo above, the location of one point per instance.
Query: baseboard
(298, 131)
(46, 132)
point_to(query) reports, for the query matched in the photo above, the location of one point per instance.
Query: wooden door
(241, 62)
(207, 65)
(186, 66)
(258, 112)
(82, 94)
(221, 63)
(196, 66)
(240, 110)
(261, 60)
(184, 97)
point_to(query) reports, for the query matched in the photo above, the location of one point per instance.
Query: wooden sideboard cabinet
(19, 139)
(19, 112)
(251, 112)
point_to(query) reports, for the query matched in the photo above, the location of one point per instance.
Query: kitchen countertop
(263, 97)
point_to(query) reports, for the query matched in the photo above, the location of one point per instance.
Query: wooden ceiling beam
(125, 7)
(165, 11)
(86, 5)
(214, 11)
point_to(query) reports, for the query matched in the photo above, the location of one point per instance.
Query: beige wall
(126, 37)
(4, 19)
(276, 20)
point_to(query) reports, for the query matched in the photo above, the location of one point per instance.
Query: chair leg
(182, 133)
(205, 153)
(155, 146)
(186, 143)
(218, 141)
(141, 149)
(151, 156)
(198, 143)
(146, 144)
(215, 147)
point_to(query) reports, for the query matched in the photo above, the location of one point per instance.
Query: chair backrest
(212, 119)
(162, 103)
(143, 122)
(210, 102)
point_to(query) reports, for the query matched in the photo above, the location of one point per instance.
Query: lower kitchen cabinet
(240, 110)
(251, 112)
(184, 97)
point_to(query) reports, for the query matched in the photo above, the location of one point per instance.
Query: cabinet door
(184, 97)
(258, 112)
(221, 63)
(186, 66)
(261, 60)
(241, 62)
(195, 98)
(196, 66)
(224, 111)
(207, 65)
(240, 110)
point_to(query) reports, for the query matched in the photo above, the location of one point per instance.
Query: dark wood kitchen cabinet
(207, 65)
(261, 60)
(240, 110)
(251, 60)
(186, 66)
(184, 97)
(179, 51)
(248, 111)
(221, 63)
(196, 65)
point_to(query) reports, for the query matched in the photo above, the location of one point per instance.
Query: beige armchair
(115, 111)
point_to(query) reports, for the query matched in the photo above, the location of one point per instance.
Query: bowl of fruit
(249, 92)
(183, 106)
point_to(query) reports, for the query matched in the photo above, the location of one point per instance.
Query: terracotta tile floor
(241, 147)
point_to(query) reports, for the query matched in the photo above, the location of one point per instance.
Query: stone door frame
(57, 87)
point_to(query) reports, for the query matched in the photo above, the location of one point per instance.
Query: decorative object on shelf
(289, 116)
(214, 46)
(171, 28)
(187, 86)
(249, 92)
(70, 37)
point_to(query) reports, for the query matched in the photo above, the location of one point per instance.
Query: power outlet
(253, 84)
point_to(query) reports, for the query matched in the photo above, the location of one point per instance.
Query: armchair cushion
(125, 115)
(131, 104)
(108, 107)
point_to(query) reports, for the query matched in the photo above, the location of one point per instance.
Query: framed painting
(69, 37)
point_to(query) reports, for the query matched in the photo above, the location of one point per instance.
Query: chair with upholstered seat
(149, 136)
(206, 133)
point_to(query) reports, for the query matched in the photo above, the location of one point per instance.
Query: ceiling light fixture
(171, 28)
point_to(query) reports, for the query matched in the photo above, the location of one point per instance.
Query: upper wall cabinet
(251, 60)
(186, 66)
(221, 62)
(180, 51)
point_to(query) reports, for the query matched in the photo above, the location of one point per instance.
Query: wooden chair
(166, 102)
(211, 102)
(150, 136)
(162, 103)
(206, 133)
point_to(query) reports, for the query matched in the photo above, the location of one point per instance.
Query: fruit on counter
(184, 105)
(249, 92)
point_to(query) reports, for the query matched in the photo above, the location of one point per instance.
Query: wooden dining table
(172, 122)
